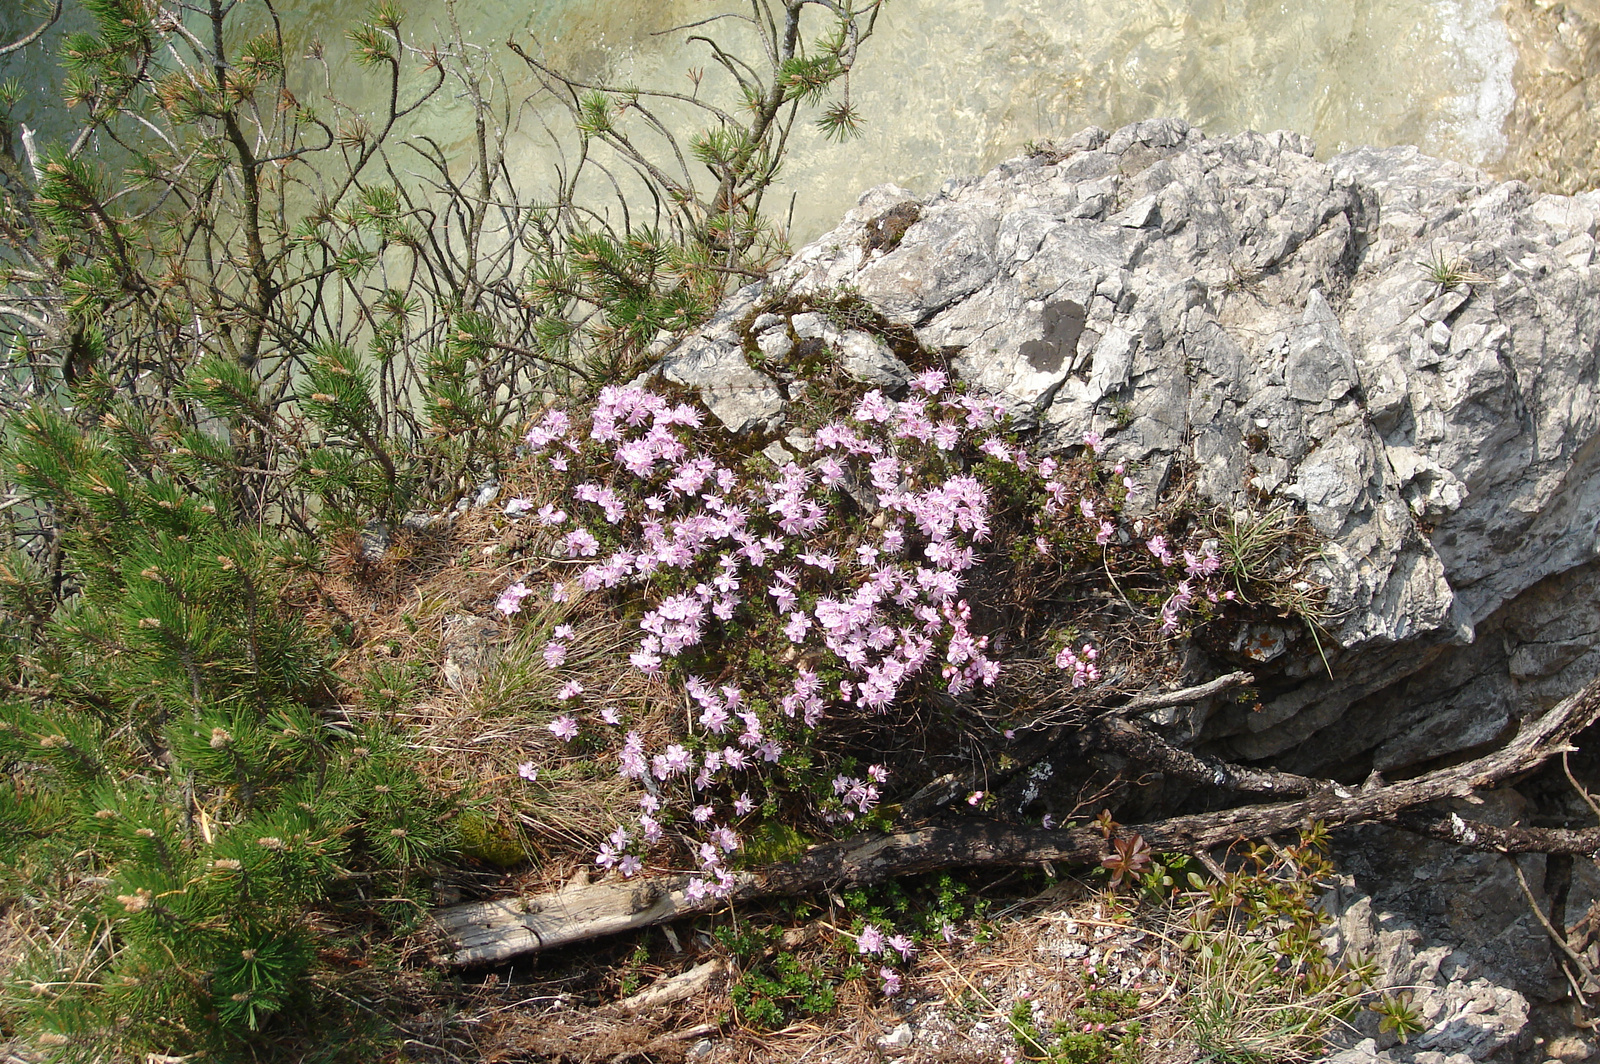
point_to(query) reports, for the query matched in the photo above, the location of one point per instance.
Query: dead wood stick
(1153, 700)
(1141, 743)
(677, 987)
(1556, 937)
(491, 931)
(1486, 837)
(1163, 699)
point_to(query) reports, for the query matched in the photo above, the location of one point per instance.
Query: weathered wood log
(492, 931)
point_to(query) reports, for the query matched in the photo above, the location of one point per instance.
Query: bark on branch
(492, 931)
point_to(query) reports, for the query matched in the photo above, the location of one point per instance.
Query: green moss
(772, 843)
(490, 840)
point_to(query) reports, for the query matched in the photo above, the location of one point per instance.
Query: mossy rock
(491, 840)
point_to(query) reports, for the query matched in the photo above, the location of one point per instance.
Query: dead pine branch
(493, 931)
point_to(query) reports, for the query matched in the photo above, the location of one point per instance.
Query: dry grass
(429, 603)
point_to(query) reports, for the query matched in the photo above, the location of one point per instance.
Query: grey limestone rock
(470, 646)
(1398, 346)
(1466, 1016)
(712, 360)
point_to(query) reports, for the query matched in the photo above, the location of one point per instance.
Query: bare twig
(39, 31)
(1580, 971)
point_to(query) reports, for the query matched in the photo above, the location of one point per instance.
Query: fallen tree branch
(1140, 742)
(492, 931)
(1478, 836)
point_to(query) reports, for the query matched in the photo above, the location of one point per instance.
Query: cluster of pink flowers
(1080, 663)
(857, 797)
(878, 602)
(1197, 567)
(872, 942)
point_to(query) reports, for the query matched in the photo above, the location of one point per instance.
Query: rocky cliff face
(1397, 345)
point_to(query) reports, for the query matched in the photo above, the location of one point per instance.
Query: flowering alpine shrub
(798, 608)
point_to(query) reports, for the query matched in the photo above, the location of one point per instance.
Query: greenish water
(950, 87)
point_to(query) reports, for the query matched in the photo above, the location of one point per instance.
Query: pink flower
(631, 761)
(510, 600)
(873, 407)
(564, 728)
(930, 382)
(825, 562)
(785, 597)
(630, 865)
(527, 771)
(743, 804)
(1094, 441)
(1104, 535)
(797, 626)
(891, 981)
(901, 945)
(1081, 664)
(870, 940)
(555, 654)
(974, 798)
(582, 543)
(609, 715)
(570, 690)
(675, 761)
(1196, 565)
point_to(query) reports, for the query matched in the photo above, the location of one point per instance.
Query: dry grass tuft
(470, 688)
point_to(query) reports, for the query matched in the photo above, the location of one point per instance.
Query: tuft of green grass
(1450, 271)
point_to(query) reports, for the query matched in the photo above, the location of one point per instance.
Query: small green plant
(776, 992)
(1101, 1030)
(631, 976)
(1258, 987)
(1398, 1014)
(1128, 860)
(1447, 271)
(1242, 277)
